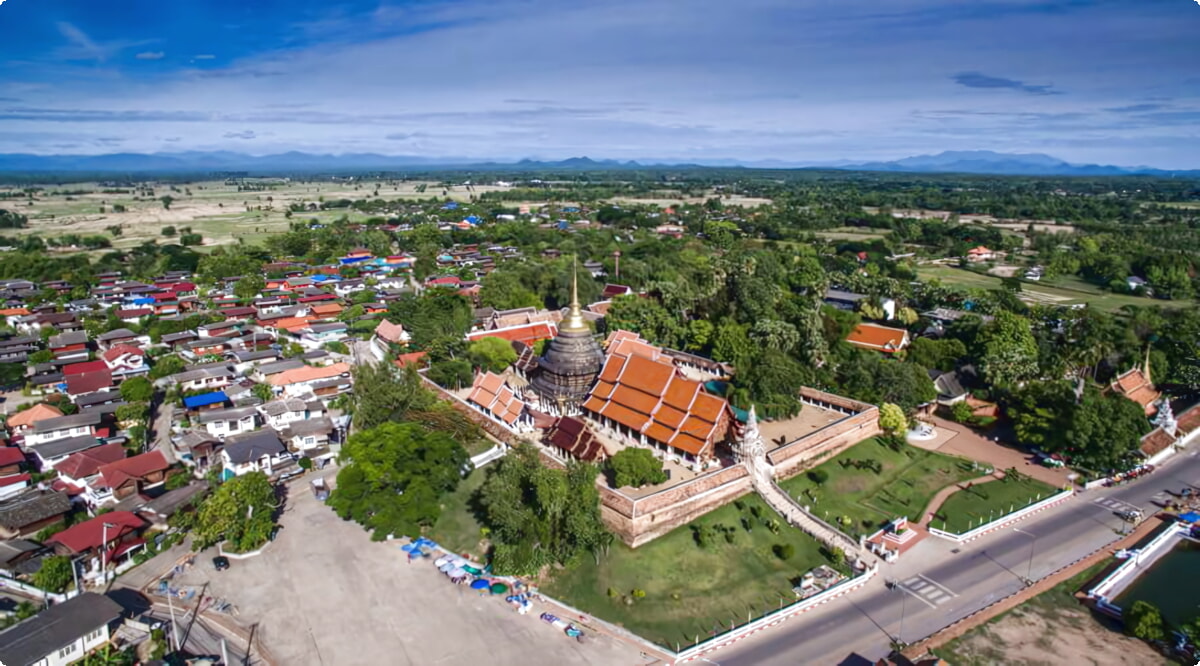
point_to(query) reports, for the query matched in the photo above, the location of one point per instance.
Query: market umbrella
(441, 560)
(456, 573)
(499, 588)
(479, 584)
(445, 567)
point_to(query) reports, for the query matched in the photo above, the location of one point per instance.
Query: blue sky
(1104, 81)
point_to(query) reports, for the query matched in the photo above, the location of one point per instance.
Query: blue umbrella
(480, 584)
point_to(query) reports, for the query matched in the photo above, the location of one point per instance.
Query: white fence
(30, 591)
(1131, 568)
(1004, 521)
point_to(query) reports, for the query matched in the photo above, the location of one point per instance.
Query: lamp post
(1032, 546)
(104, 550)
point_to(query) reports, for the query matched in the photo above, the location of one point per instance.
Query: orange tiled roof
(527, 334)
(1137, 387)
(308, 374)
(879, 338)
(1189, 420)
(389, 332)
(327, 309)
(36, 413)
(14, 312)
(645, 393)
(1156, 442)
(492, 394)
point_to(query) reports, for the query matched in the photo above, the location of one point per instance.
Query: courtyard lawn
(457, 528)
(692, 591)
(971, 507)
(907, 480)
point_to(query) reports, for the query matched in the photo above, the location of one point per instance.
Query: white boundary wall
(1132, 567)
(1004, 521)
(774, 618)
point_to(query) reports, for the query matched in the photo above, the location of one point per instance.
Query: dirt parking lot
(322, 593)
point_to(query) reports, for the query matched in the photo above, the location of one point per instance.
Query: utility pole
(174, 625)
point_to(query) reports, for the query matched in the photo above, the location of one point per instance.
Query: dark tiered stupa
(571, 363)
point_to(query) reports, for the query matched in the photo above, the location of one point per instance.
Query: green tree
(241, 512)
(249, 287)
(55, 574)
(137, 389)
(394, 393)
(1009, 350)
(394, 477)
(892, 419)
(961, 411)
(540, 516)
(1143, 620)
(942, 354)
(731, 343)
(263, 392)
(168, 231)
(637, 467)
(134, 411)
(166, 202)
(494, 354)
(167, 366)
(452, 373)
(647, 318)
(775, 334)
(503, 289)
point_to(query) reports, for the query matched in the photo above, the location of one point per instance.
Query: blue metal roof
(204, 400)
(354, 260)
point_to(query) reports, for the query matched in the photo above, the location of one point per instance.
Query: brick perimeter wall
(792, 458)
(639, 521)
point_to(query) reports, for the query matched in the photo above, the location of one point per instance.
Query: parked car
(220, 563)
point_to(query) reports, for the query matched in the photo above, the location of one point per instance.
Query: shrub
(305, 464)
(818, 476)
(783, 551)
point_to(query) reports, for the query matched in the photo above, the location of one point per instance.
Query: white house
(259, 451)
(318, 334)
(222, 423)
(63, 633)
(279, 413)
(62, 427)
(308, 435)
(387, 334)
(125, 360)
(207, 378)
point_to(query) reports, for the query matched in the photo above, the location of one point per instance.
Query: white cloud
(83, 44)
(151, 55)
(204, 56)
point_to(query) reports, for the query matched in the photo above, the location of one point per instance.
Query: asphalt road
(940, 582)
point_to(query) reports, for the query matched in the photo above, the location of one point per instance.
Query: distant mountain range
(974, 162)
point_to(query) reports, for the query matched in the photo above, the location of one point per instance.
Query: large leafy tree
(633, 466)
(772, 381)
(503, 289)
(1143, 620)
(493, 354)
(540, 516)
(137, 389)
(395, 476)
(1009, 350)
(241, 511)
(436, 313)
(647, 318)
(1105, 430)
(55, 574)
(387, 393)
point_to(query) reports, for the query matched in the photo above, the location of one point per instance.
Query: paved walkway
(796, 516)
(964, 442)
(940, 498)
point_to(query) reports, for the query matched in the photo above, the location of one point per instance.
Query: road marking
(916, 596)
(939, 586)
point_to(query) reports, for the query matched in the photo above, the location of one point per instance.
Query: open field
(223, 215)
(1052, 628)
(1063, 290)
(908, 479)
(691, 591)
(981, 503)
(851, 233)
